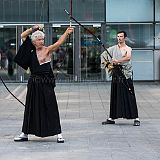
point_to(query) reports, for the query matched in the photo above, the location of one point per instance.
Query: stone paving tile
(83, 106)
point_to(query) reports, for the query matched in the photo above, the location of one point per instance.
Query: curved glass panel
(90, 55)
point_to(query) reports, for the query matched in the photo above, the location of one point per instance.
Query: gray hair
(37, 34)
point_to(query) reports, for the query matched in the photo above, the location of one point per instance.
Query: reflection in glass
(138, 35)
(90, 55)
(8, 52)
(62, 60)
(157, 36)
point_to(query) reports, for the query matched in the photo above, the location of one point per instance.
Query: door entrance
(63, 58)
(90, 55)
(8, 50)
(78, 59)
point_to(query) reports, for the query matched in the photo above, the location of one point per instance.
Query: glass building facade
(80, 55)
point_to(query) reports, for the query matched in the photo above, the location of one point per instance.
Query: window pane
(157, 10)
(129, 10)
(138, 35)
(90, 54)
(63, 56)
(157, 36)
(23, 11)
(142, 65)
(8, 52)
(90, 11)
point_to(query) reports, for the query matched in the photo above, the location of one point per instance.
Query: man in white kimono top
(122, 101)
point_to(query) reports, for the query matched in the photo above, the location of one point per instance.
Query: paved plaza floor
(82, 107)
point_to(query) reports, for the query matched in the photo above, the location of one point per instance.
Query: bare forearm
(118, 61)
(26, 33)
(61, 40)
(124, 59)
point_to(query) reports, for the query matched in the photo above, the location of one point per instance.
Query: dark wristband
(35, 28)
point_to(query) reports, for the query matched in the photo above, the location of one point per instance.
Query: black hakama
(41, 115)
(123, 102)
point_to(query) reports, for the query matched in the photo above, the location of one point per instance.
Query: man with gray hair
(41, 115)
(37, 34)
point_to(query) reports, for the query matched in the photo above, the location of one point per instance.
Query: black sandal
(108, 122)
(136, 123)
